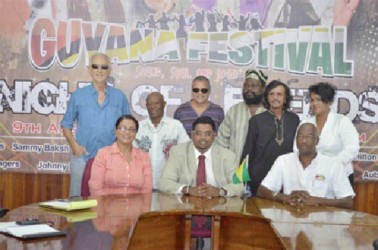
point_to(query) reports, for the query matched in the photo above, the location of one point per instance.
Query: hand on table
(205, 190)
(300, 197)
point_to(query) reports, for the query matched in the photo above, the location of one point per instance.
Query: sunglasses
(97, 66)
(203, 91)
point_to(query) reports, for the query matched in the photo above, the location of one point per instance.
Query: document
(69, 205)
(29, 231)
(76, 215)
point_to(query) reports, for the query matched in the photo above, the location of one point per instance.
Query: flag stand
(241, 175)
(245, 196)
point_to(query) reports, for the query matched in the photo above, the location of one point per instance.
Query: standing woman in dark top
(271, 133)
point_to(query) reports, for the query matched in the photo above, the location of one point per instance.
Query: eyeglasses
(123, 129)
(97, 66)
(203, 91)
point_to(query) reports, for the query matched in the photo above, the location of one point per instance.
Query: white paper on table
(23, 231)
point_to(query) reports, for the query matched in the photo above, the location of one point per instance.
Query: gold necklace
(279, 130)
(279, 127)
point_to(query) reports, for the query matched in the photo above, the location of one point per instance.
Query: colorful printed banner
(45, 46)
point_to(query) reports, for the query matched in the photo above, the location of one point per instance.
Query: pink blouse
(112, 174)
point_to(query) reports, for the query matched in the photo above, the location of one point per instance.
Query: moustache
(256, 99)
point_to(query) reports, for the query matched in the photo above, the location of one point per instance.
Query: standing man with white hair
(95, 108)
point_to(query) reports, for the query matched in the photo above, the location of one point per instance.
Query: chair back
(86, 176)
(3, 211)
(244, 231)
(1, 198)
(201, 226)
(375, 244)
(161, 230)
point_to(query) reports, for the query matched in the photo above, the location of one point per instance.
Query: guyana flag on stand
(241, 174)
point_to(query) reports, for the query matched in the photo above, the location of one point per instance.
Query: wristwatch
(222, 192)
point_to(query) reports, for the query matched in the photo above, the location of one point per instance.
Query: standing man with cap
(233, 130)
(95, 108)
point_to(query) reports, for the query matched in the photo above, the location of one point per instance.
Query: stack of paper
(75, 216)
(29, 231)
(69, 205)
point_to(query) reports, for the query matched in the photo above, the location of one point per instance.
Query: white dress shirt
(210, 179)
(324, 177)
(157, 141)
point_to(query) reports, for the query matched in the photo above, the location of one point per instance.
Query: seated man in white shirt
(157, 134)
(307, 177)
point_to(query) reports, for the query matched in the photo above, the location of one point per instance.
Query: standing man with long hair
(271, 133)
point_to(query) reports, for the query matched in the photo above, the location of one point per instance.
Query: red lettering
(35, 128)
(69, 40)
(42, 43)
(54, 129)
(17, 127)
(29, 128)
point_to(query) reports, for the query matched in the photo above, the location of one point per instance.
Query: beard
(256, 99)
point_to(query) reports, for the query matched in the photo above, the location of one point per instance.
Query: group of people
(198, 150)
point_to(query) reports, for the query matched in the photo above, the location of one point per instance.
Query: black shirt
(267, 139)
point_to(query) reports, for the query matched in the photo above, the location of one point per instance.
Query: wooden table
(108, 226)
(310, 227)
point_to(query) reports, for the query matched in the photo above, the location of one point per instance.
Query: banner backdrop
(45, 46)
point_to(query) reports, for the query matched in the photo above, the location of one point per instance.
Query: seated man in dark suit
(185, 173)
(307, 177)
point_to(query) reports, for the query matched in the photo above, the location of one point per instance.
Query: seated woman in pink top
(121, 168)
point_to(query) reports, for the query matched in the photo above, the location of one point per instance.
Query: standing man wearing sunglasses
(95, 109)
(199, 105)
